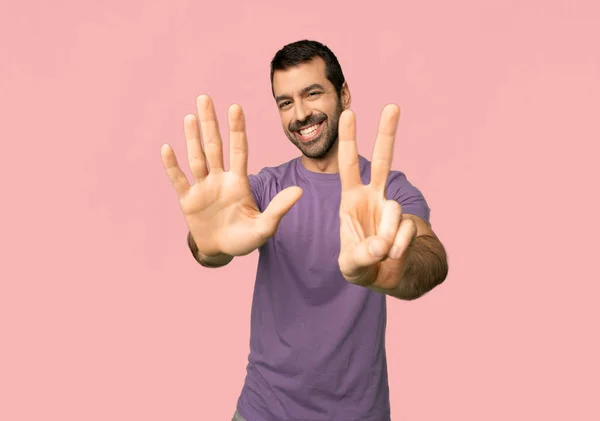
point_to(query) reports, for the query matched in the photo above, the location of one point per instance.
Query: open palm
(219, 208)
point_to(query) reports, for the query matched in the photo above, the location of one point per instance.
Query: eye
(314, 93)
(284, 104)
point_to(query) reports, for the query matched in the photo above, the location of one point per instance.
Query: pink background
(104, 315)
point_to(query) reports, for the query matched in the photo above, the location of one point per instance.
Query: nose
(301, 111)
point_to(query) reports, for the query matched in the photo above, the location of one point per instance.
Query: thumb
(277, 208)
(366, 253)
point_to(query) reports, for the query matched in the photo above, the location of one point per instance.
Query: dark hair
(304, 51)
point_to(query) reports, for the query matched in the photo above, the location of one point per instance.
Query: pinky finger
(176, 176)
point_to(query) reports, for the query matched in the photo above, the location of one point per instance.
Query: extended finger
(405, 236)
(383, 151)
(209, 127)
(196, 158)
(348, 162)
(238, 141)
(176, 176)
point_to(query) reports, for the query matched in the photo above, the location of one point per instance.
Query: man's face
(309, 107)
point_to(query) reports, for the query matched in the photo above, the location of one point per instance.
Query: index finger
(348, 163)
(383, 151)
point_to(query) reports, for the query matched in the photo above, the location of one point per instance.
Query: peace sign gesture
(371, 228)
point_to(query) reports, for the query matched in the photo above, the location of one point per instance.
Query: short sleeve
(257, 187)
(410, 198)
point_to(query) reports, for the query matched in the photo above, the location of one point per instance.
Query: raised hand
(219, 208)
(371, 228)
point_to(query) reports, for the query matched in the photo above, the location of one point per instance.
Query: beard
(322, 144)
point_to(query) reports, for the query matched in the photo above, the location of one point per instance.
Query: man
(336, 233)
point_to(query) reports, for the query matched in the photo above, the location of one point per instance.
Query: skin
(376, 238)
(223, 219)
(375, 235)
(305, 96)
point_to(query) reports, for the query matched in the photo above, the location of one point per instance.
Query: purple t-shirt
(317, 342)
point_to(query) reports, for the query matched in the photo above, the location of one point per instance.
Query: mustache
(310, 121)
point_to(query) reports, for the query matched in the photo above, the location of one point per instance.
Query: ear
(345, 96)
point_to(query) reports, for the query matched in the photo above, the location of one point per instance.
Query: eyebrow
(302, 92)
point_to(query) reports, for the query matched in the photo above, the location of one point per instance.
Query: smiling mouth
(309, 133)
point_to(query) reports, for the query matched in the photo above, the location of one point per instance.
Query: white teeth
(309, 130)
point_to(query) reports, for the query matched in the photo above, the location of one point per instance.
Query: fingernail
(394, 252)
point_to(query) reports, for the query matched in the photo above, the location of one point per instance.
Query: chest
(309, 234)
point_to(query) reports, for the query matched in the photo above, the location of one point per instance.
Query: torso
(317, 347)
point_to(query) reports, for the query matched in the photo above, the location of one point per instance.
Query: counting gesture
(218, 207)
(371, 228)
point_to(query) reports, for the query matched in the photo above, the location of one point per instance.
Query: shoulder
(271, 174)
(409, 196)
(399, 188)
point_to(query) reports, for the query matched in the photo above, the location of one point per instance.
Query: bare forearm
(207, 261)
(426, 267)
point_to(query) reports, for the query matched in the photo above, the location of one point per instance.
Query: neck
(327, 164)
